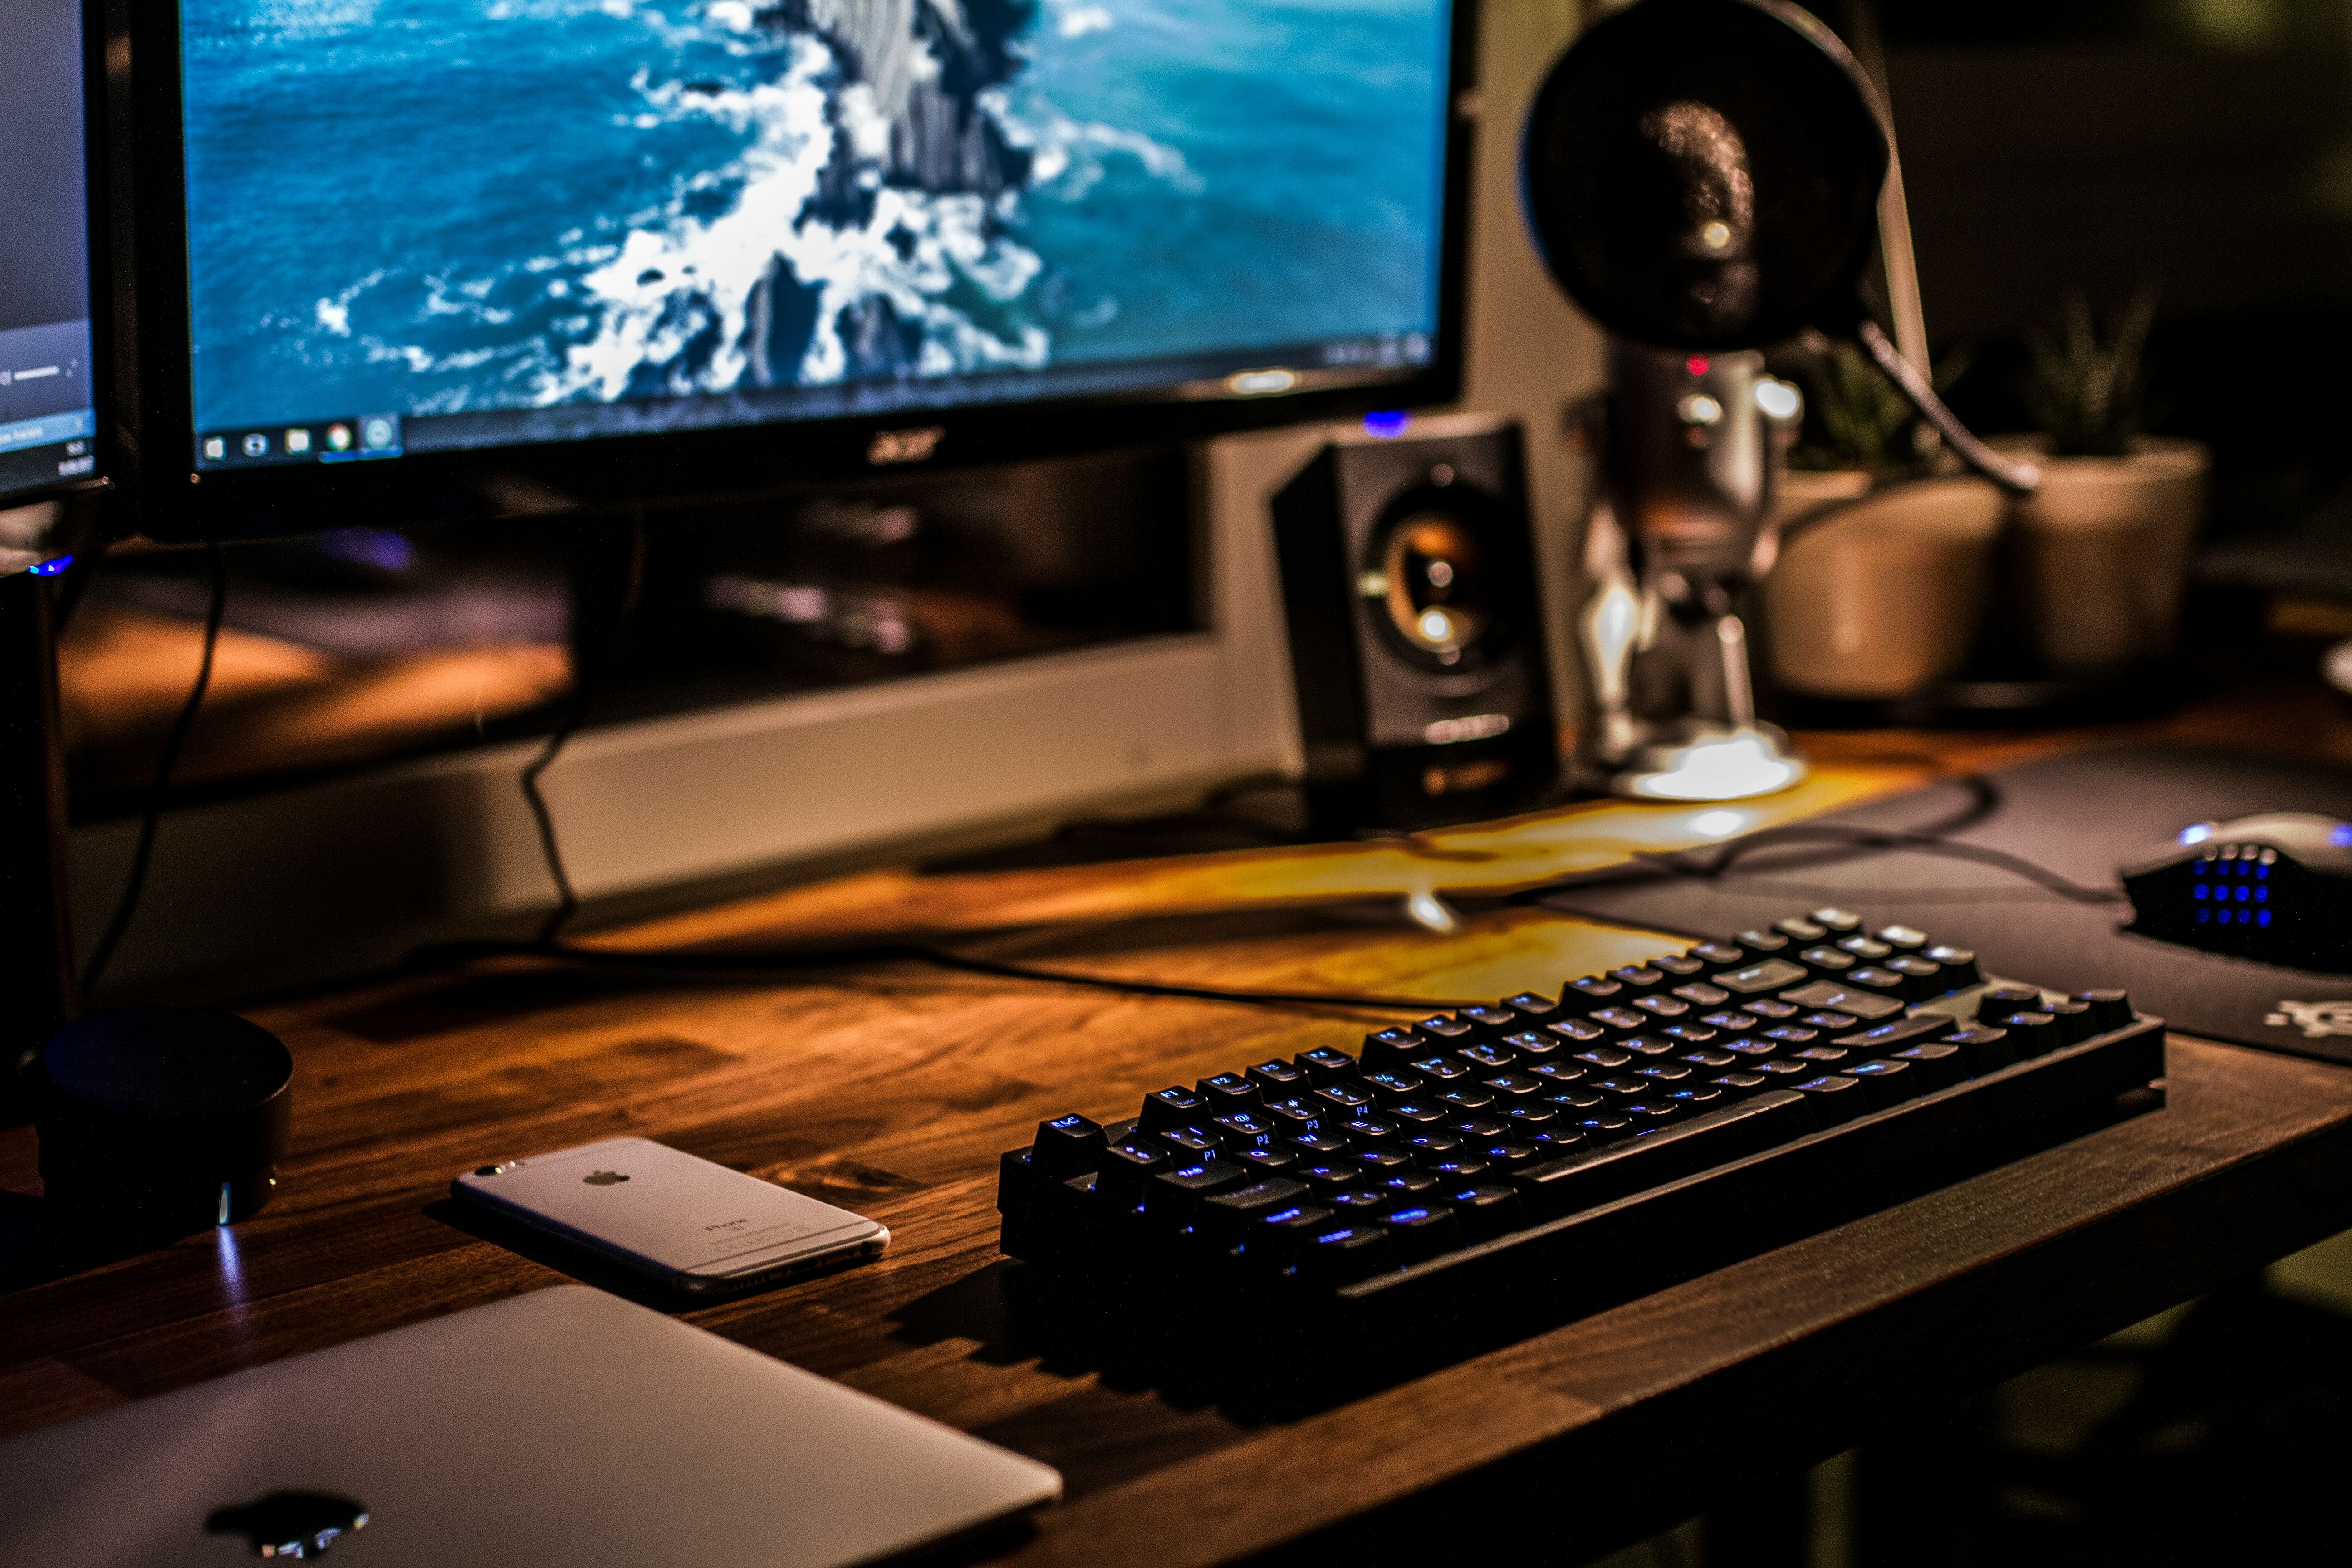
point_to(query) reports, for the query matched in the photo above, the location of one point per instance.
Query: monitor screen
(48, 417)
(440, 226)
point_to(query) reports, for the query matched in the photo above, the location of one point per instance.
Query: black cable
(1747, 886)
(1684, 864)
(1983, 798)
(792, 961)
(1931, 838)
(2018, 478)
(128, 905)
(583, 694)
(546, 946)
(1189, 827)
(1654, 867)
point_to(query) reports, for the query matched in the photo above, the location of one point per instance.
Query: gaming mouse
(2276, 887)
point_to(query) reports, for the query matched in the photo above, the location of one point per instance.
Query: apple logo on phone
(604, 1178)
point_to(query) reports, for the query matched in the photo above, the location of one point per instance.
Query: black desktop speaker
(157, 1123)
(1416, 627)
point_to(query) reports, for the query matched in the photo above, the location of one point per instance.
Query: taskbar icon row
(320, 441)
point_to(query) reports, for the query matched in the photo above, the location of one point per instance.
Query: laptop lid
(566, 1426)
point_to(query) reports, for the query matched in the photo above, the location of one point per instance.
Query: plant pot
(1800, 492)
(2099, 554)
(1879, 596)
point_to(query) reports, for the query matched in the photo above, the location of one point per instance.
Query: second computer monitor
(49, 407)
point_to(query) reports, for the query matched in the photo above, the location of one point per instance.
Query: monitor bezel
(97, 191)
(177, 502)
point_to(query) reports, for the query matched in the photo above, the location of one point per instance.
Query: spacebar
(1601, 1175)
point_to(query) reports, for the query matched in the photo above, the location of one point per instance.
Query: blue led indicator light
(50, 568)
(2262, 918)
(1406, 1216)
(2196, 834)
(2341, 835)
(377, 547)
(2202, 890)
(1388, 424)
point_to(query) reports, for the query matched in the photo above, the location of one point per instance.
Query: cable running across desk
(1933, 838)
(796, 961)
(1983, 799)
(126, 908)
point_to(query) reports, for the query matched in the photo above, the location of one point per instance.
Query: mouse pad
(2080, 816)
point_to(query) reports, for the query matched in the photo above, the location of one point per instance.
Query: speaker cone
(1431, 571)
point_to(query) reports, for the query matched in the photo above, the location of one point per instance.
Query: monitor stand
(35, 940)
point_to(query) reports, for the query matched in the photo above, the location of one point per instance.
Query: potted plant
(1882, 569)
(1858, 432)
(2099, 554)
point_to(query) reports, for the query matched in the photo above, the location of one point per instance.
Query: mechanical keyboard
(1708, 1102)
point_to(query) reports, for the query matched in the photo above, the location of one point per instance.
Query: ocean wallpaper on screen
(430, 207)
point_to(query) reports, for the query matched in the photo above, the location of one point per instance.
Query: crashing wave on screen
(871, 232)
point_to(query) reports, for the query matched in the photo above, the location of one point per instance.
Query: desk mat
(2080, 816)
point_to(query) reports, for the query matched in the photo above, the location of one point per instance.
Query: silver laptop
(567, 1426)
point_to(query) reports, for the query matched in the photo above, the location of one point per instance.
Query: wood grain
(892, 1089)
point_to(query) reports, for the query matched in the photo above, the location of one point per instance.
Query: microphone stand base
(1697, 761)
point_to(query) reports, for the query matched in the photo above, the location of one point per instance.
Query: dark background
(2203, 147)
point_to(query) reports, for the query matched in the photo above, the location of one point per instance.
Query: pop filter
(1705, 175)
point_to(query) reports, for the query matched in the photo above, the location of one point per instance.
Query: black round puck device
(159, 1121)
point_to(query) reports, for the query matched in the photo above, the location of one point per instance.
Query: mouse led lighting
(2276, 887)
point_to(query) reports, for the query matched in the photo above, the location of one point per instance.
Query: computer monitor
(449, 257)
(50, 442)
(49, 434)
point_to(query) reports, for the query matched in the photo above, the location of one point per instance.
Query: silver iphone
(663, 1212)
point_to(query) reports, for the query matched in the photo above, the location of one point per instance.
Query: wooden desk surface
(893, 1091)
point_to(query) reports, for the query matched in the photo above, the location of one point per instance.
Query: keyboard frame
(1713, 1216)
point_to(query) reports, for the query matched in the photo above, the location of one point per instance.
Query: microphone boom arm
(2017, 479)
